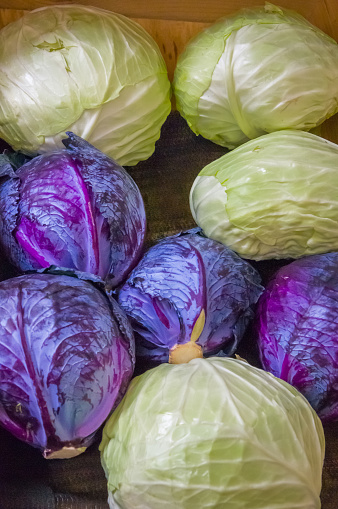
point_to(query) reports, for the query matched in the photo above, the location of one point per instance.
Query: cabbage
(66, 359)
(211, 434)
(256, 72)
(273, 197)
(297, 328)
(86, 70)
(73, 208)
(189, 295)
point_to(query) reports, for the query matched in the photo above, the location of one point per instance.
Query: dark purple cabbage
(73, 208)
(67, 354)
(297, 325)
(177, 281)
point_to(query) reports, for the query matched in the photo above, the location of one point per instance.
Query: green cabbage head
(259, 71)
(212, 434)
(86, 70)
(273, 197)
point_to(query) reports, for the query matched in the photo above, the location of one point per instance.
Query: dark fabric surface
(27, 481)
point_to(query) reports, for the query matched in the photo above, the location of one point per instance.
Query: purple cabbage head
(188, 288)
(73, 208)
(297, 325)
(67, 354)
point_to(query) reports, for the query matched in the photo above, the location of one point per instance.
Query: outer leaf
(56, 221)
(189, 288)
(119, 202)
(65, 360)
(297, 325)
(212, 433)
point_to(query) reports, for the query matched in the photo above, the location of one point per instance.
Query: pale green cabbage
(256, 72)
(85, 70)
(212, 434)
(273, 197)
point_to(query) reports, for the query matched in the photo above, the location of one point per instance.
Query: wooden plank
(172, 37)
(329, 129)
(322, 13)
(9, 15)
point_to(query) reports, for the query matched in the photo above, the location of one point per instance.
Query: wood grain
(172, 37)
(9, 15)
(323, 13)
(329, 129)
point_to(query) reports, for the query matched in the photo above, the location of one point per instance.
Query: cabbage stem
(180, 354)
(64, 453)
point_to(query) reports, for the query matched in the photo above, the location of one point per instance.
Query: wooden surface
(321, 12)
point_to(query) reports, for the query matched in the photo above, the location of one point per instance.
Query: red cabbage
(297, 325)
(73, 208)
(188, 288)
(67, 354)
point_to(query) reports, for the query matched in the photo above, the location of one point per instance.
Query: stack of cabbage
(275, 197)
(66, 348)
(209, 433)
(217, 432)
(264, 71)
